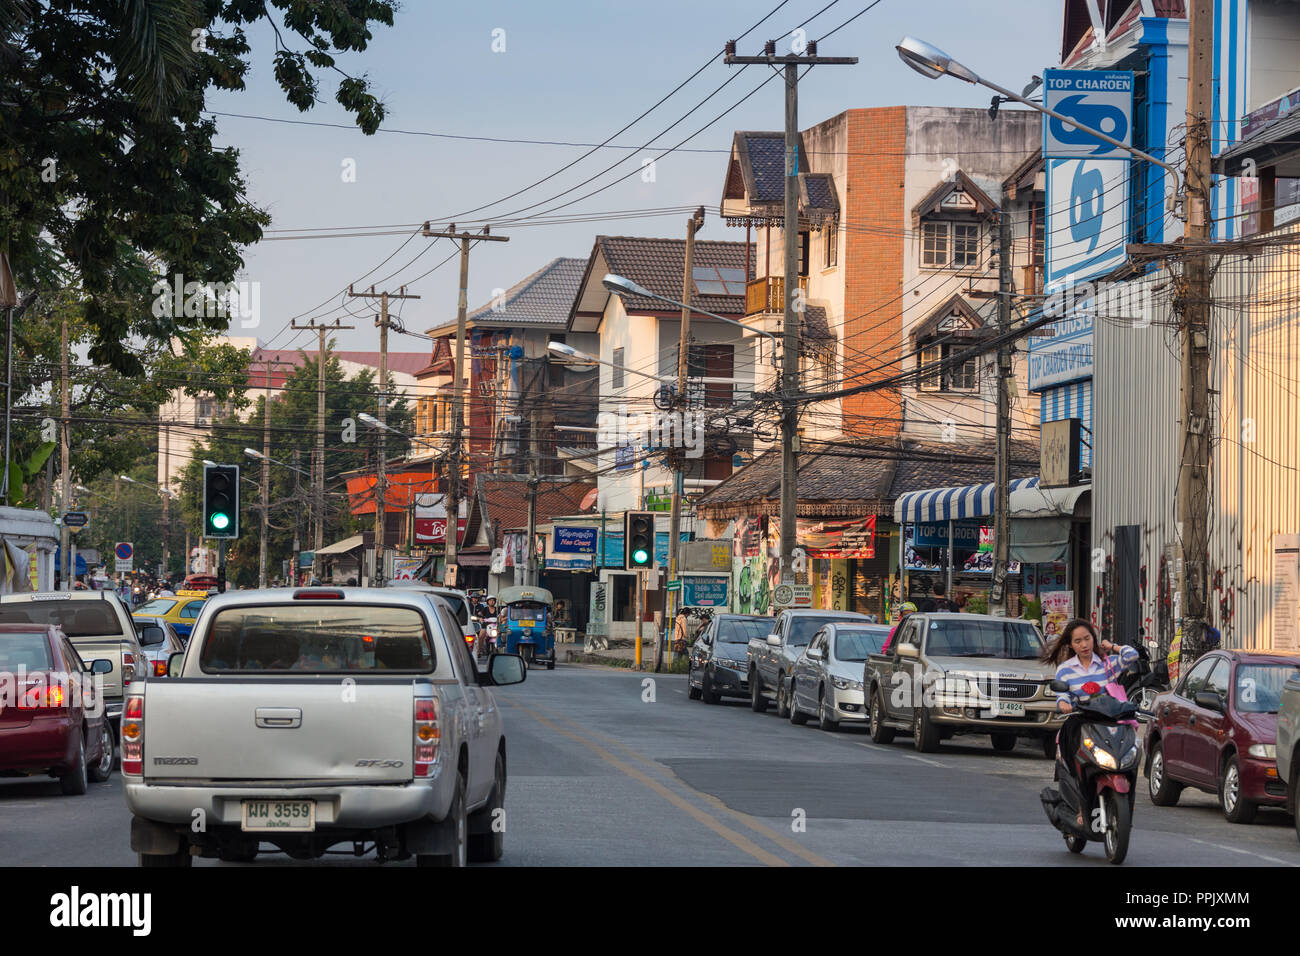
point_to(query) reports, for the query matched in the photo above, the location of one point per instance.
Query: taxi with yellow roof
(179, 611)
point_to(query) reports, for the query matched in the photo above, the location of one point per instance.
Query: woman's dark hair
(1059, 652)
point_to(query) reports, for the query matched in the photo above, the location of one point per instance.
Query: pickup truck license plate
(278, 815)
(1006, 708)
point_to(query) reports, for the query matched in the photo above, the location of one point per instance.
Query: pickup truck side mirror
(100, 666)
(816, 654)
(908, 650)
(506, 669)
(774, 640)
(174, 663)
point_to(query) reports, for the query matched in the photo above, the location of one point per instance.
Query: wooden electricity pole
(794, 305)
(381, 485)
(318, 460)
(457, 399)
(1194, 472)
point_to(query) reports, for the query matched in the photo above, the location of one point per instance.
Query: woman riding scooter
(1084, 666)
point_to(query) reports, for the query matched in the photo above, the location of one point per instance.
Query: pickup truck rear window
(76, 618)
(318, 639)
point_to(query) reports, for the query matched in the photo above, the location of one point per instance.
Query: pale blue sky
(576, 71)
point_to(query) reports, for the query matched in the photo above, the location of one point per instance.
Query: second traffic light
(638, 540)
(221, 501)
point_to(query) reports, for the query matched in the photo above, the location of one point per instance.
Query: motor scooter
(1101, 787)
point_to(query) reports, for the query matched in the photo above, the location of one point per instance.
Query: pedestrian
(907, 608)
(938, 601)
(681, 632)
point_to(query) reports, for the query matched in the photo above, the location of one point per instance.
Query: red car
(1217, 731)
(51, 721)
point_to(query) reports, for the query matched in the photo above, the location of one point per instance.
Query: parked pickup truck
(772, 657)
(99, 626)
(314, 717)
(947, 674)
(1288, 745)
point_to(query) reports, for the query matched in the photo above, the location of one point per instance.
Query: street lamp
(932, 63)
(254, 453)
(621, 286)
(569, 351)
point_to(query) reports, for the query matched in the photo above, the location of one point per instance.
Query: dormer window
(951, 221)
(947, 244)
(951, 330)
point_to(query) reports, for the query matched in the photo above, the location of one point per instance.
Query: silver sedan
(827, 679)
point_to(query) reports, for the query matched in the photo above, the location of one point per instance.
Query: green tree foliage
(293, 439)
(114, 417)
(109, 176)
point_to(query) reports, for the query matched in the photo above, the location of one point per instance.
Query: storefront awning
(342, 547)
(943, 504)
(1035, 501)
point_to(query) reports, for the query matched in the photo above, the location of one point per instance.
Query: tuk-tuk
(527, 627)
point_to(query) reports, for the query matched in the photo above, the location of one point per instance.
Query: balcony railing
(768, 294)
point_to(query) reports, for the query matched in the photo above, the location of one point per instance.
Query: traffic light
(638, 540)
(221, 501)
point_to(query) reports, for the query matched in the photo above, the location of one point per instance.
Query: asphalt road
(602, 771)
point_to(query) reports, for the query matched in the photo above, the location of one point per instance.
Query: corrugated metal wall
(1071, 401)
(1255, 395)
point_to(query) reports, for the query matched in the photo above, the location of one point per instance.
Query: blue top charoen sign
(1063, 356)
(1100, 100)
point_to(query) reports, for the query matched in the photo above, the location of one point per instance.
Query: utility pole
(462, 303)
(1002, 502)
(793, 313)
(65, 539)
(166, 497)
(1194, 473)
(267, 364)
(681, 402)
(318, 460)
(381, 484)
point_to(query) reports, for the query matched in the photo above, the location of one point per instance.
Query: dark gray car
(719, 663)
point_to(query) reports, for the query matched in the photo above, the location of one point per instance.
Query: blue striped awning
(942, 504)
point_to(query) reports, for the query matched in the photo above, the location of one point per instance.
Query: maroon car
(1217, 731)
(51, 720)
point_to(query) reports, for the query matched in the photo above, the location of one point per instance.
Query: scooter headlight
(1103, 758)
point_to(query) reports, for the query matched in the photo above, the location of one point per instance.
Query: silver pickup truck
(314, 717)
(1288, 745)
(947, 674)
(772, 658)
(99, 626)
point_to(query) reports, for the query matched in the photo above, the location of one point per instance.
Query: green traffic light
(219, 520)
(640, 556)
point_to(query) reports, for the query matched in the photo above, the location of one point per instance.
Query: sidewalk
(613, 656)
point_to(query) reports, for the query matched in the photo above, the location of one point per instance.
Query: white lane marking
(1234, 849)
(926, 760)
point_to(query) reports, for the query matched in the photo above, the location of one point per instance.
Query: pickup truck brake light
(128, 667)
(427, 735)
(160, 668)
(318, 595)
(132, 735)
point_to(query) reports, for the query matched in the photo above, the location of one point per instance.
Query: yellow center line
(752, 822)
(738, 840)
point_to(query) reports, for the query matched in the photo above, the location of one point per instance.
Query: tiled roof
(408, 363)
(505, 498)
(767, 160)
(544, 298)
(840, 478)
(658, 264)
